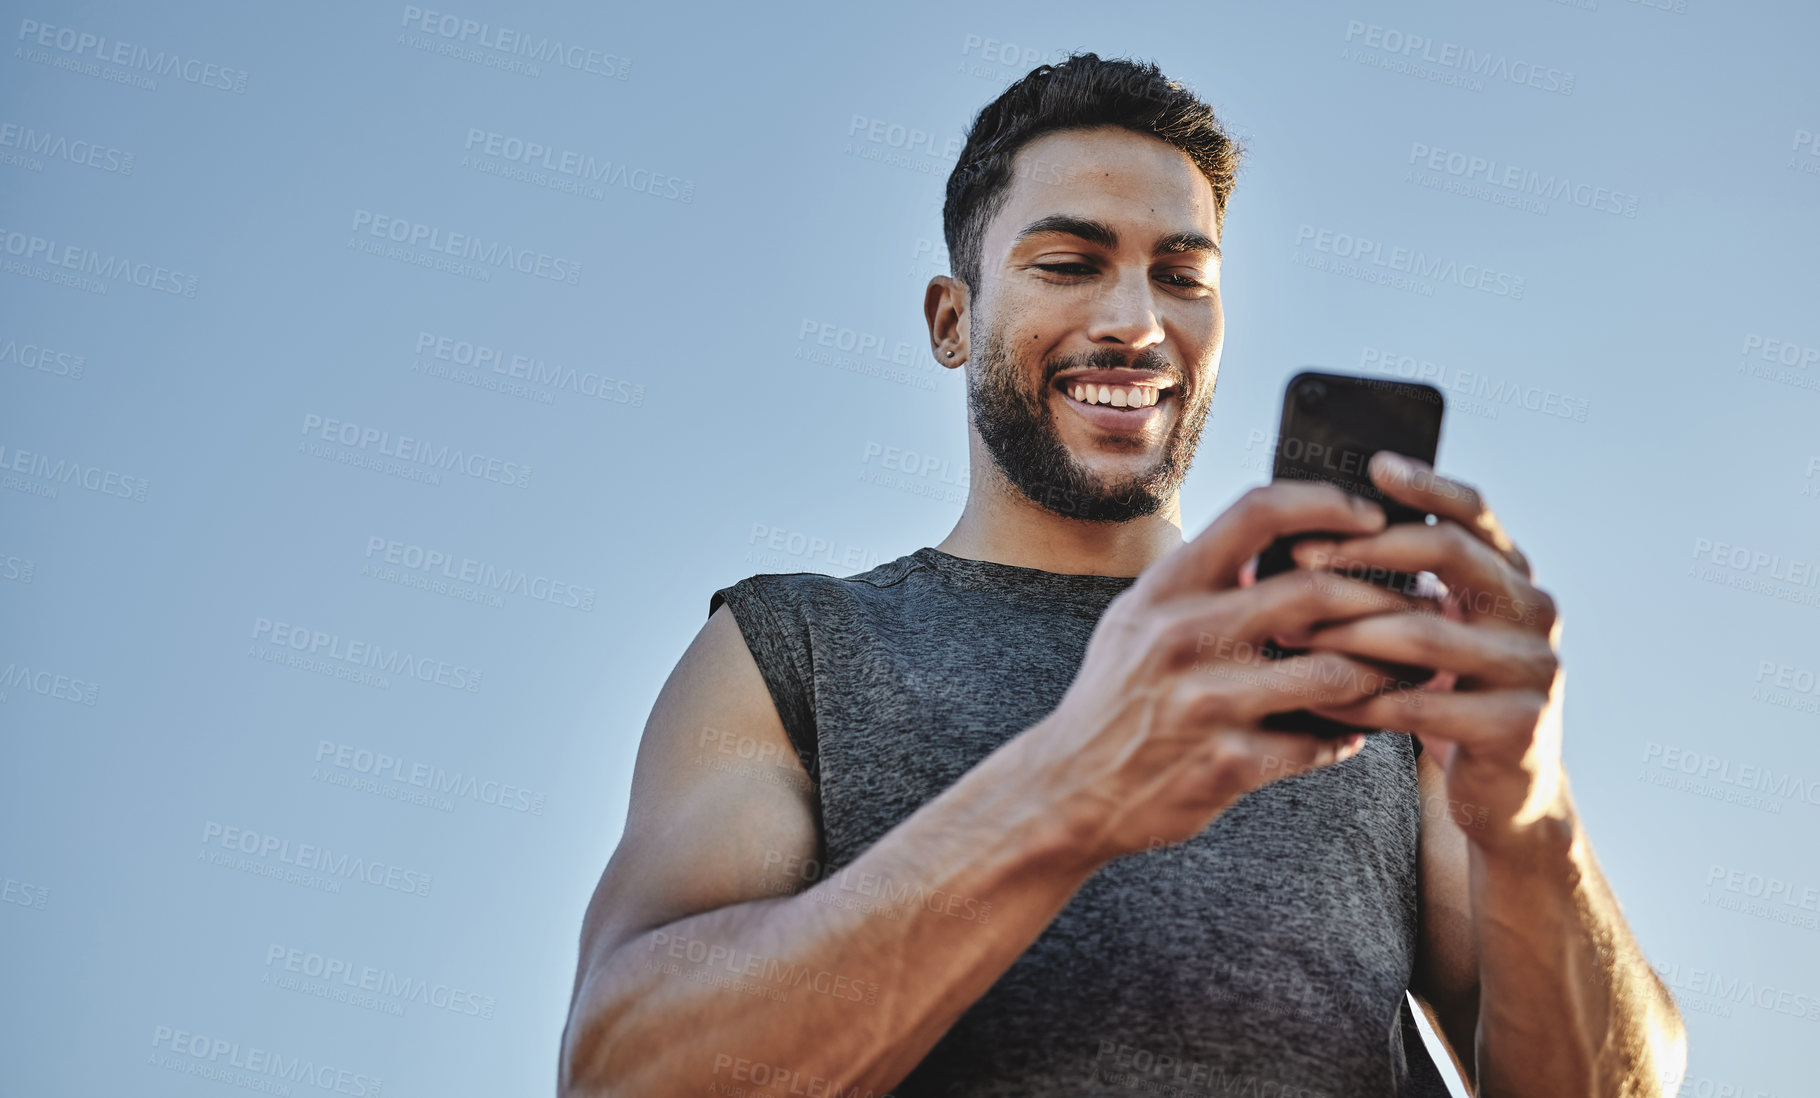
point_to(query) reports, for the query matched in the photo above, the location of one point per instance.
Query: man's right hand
(1159, 731)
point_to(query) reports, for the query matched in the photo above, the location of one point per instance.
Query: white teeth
(1135, 397)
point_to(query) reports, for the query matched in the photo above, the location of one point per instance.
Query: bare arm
(1571, 1005)
(1550, 993)
(690, 899)
(692, 964)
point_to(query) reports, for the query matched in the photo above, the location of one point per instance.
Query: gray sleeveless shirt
(1265, 957)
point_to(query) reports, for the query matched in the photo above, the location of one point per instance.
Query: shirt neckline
(988, 573)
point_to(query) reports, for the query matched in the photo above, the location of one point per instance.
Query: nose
(1124, 312)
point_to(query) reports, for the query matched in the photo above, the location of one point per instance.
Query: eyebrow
(1098, 232)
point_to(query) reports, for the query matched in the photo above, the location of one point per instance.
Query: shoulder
(779, 592)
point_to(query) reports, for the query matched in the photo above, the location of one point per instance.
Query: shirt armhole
(775, 649)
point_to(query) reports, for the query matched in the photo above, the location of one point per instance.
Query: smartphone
(1332, 425)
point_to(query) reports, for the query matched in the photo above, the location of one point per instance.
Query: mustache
(1150, 360)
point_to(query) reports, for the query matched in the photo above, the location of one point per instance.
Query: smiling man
(1000, 817)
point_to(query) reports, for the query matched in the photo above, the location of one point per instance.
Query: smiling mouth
(1100, 395)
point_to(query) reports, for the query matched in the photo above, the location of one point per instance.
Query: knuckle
(1544, 664)
(1458, 541)
(1428, 634)
(1523, 715)
(1209, 703)
(1186, 640)
(1259, 502)
(1542, 608)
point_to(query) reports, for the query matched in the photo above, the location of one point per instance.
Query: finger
(1247, 690)
(1485, 584)
(1481, 657)
(1213, 559)
(1216, 622)
(1243, 759)
(1414, 482)
(1295, 602)
(1478, 721)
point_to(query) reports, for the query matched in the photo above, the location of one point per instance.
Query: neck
(1001, 524)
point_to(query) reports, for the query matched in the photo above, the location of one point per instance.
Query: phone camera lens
(1311, 394)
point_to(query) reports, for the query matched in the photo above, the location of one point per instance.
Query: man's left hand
(1496, 726)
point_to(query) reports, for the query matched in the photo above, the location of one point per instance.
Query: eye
(1066, 268)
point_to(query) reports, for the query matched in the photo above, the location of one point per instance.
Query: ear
(945, 305)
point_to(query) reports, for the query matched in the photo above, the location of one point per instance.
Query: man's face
(1095, 332)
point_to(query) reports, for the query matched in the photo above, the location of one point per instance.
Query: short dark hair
(1082, 91)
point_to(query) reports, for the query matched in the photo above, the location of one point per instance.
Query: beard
(1019, 430)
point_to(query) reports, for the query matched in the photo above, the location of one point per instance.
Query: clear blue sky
(539, 294)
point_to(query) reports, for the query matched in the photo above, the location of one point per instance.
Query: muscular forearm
(852, 980)
(1568, 1004)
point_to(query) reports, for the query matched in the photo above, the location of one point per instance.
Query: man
(999, 817)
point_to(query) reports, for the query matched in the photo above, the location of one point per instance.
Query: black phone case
(1332, 424)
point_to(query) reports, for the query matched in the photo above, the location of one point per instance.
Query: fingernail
(1391, 461)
